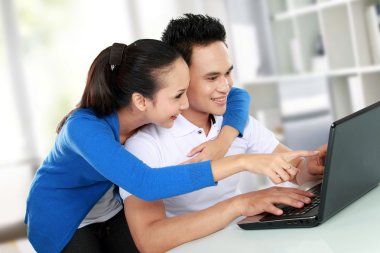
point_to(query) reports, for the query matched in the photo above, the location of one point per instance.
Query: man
(161, 225)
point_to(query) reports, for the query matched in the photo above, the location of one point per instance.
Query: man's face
(210, 79)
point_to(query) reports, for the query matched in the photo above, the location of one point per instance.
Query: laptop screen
(353, 160)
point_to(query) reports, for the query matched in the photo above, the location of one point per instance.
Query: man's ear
(139, 101)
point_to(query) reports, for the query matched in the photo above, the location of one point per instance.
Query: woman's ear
(139, 101)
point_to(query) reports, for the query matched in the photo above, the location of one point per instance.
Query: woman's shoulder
(83, 119)
(87, 114)
(82, 113)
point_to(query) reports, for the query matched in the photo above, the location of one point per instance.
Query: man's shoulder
(252, 126)
(149, 132)
(151, 129)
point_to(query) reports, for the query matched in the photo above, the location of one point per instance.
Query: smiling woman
(38, 85)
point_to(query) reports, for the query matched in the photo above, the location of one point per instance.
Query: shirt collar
(184, 127)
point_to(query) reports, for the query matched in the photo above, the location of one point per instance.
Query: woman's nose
(185, 102)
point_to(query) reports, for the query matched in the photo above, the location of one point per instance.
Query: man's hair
(192, 30)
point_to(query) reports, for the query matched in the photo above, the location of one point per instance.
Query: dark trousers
(112, 236)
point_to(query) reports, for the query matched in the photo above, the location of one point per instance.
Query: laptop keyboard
(289, 211)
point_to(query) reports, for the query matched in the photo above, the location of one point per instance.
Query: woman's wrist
(242, 162)
(227, 166)
(225, 138)
(228, 134)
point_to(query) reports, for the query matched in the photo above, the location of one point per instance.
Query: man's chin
(218, 112)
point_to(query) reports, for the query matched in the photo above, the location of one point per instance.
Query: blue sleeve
(94, 141)
(237, 111)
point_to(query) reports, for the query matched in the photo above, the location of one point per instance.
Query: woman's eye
(213, 78)
(179, 95)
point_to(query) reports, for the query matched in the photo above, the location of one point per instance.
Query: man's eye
(213, 78)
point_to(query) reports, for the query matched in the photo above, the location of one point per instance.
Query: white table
(354, 229)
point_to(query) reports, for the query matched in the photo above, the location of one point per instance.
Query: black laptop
(352, 168)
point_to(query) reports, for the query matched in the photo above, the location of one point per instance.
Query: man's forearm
(168, 233)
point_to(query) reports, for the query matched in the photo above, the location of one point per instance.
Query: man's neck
(200, 119)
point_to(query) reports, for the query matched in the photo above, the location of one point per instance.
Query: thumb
(289, 156)
(197, 149)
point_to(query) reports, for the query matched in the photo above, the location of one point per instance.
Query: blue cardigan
(87, 159)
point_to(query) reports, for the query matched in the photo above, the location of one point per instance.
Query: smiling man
(160, 225)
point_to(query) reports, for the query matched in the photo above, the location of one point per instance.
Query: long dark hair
(110, 86)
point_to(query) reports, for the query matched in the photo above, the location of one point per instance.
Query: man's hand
(312, 168)
(266, 200)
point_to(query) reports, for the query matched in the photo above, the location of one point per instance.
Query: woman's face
(171, 99)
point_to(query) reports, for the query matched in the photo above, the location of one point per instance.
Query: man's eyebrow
(215, 73)
(212, 73)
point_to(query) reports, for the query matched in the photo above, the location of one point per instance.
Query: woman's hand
(277, 166)
(213, 149)
(257, 202)
(209, 150)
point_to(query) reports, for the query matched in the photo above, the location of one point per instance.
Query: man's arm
(152, 231)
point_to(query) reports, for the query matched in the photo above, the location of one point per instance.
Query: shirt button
(199, 131)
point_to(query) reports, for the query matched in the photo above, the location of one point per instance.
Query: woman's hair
(191, 30)
(120, 70)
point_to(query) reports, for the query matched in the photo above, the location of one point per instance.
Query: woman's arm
(277, 166)
(152, 231)
(237, 112)
(95, 142)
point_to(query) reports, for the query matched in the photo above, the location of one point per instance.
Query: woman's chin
(167, 124)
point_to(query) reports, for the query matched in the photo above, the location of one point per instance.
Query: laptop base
(293, 223)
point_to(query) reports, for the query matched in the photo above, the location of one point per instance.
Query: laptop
(352, 169)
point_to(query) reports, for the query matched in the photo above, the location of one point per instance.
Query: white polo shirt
(159, 147)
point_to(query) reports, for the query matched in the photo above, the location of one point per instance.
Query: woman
(127, 87)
